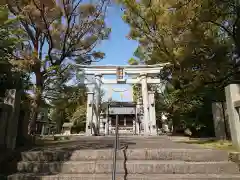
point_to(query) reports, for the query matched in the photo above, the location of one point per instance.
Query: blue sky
(118, 49)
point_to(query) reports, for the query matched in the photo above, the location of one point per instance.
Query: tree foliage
(198, 38)
(70, 106)
(58, 34)
(10, 75)
(168, 33)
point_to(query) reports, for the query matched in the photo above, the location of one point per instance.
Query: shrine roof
(118, 104)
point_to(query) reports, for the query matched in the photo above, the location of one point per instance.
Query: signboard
(121, 110)
(120, 73)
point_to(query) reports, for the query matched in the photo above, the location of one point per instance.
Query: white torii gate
(93, 76)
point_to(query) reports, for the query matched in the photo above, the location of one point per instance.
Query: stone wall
(220, 120)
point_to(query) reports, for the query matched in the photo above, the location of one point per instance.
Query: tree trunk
(36, 103)
(39, 85)
(175, 125)
(35, 111)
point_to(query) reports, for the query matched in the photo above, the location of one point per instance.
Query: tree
(178, 32)
(10, 75)
(225, 15)
(70, 106)
(165, 37)
(59, 33)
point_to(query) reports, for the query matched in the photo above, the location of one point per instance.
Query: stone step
(130, 167)
(130, 154)
(125, 177)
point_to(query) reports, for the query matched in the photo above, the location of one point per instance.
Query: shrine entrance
(143, 112)
(128, 122)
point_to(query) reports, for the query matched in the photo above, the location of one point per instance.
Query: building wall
(129, 120)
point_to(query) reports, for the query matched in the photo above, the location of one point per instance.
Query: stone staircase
(132, 164)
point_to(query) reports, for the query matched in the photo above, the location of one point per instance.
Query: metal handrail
(116, 144)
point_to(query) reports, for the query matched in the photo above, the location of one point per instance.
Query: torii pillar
(145, 98)
(89, 116)
(98, 77)
(152, 113)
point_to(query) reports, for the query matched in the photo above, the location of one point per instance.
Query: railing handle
(116, 144)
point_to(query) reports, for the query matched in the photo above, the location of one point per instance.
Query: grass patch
(213, 144)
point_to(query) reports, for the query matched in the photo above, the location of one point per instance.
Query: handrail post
(115, 150)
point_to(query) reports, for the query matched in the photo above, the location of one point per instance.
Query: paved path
(106, 142)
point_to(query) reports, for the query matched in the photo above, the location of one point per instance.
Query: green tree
(69, 106)
(59, 33)
(10, 75)
(225, 16)
(178, 32)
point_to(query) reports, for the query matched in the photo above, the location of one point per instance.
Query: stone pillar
(101, 127)
(107, 128)
(43, 130)
(98, 78)
(107, 121)
(153, 127)
(138, 116)
(89, 116)
(232, 93)
(4, 116)
(145, 104)
(141, 128)
(13, 99)
(218, 119)
(125, 121)
(137, 128)
(134, 126)
(135, 121)
(95, 122)
(102, 131)
(110, 125)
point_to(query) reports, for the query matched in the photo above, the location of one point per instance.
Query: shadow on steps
(9, 164)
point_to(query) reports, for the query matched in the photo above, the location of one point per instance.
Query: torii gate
(93, 76)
